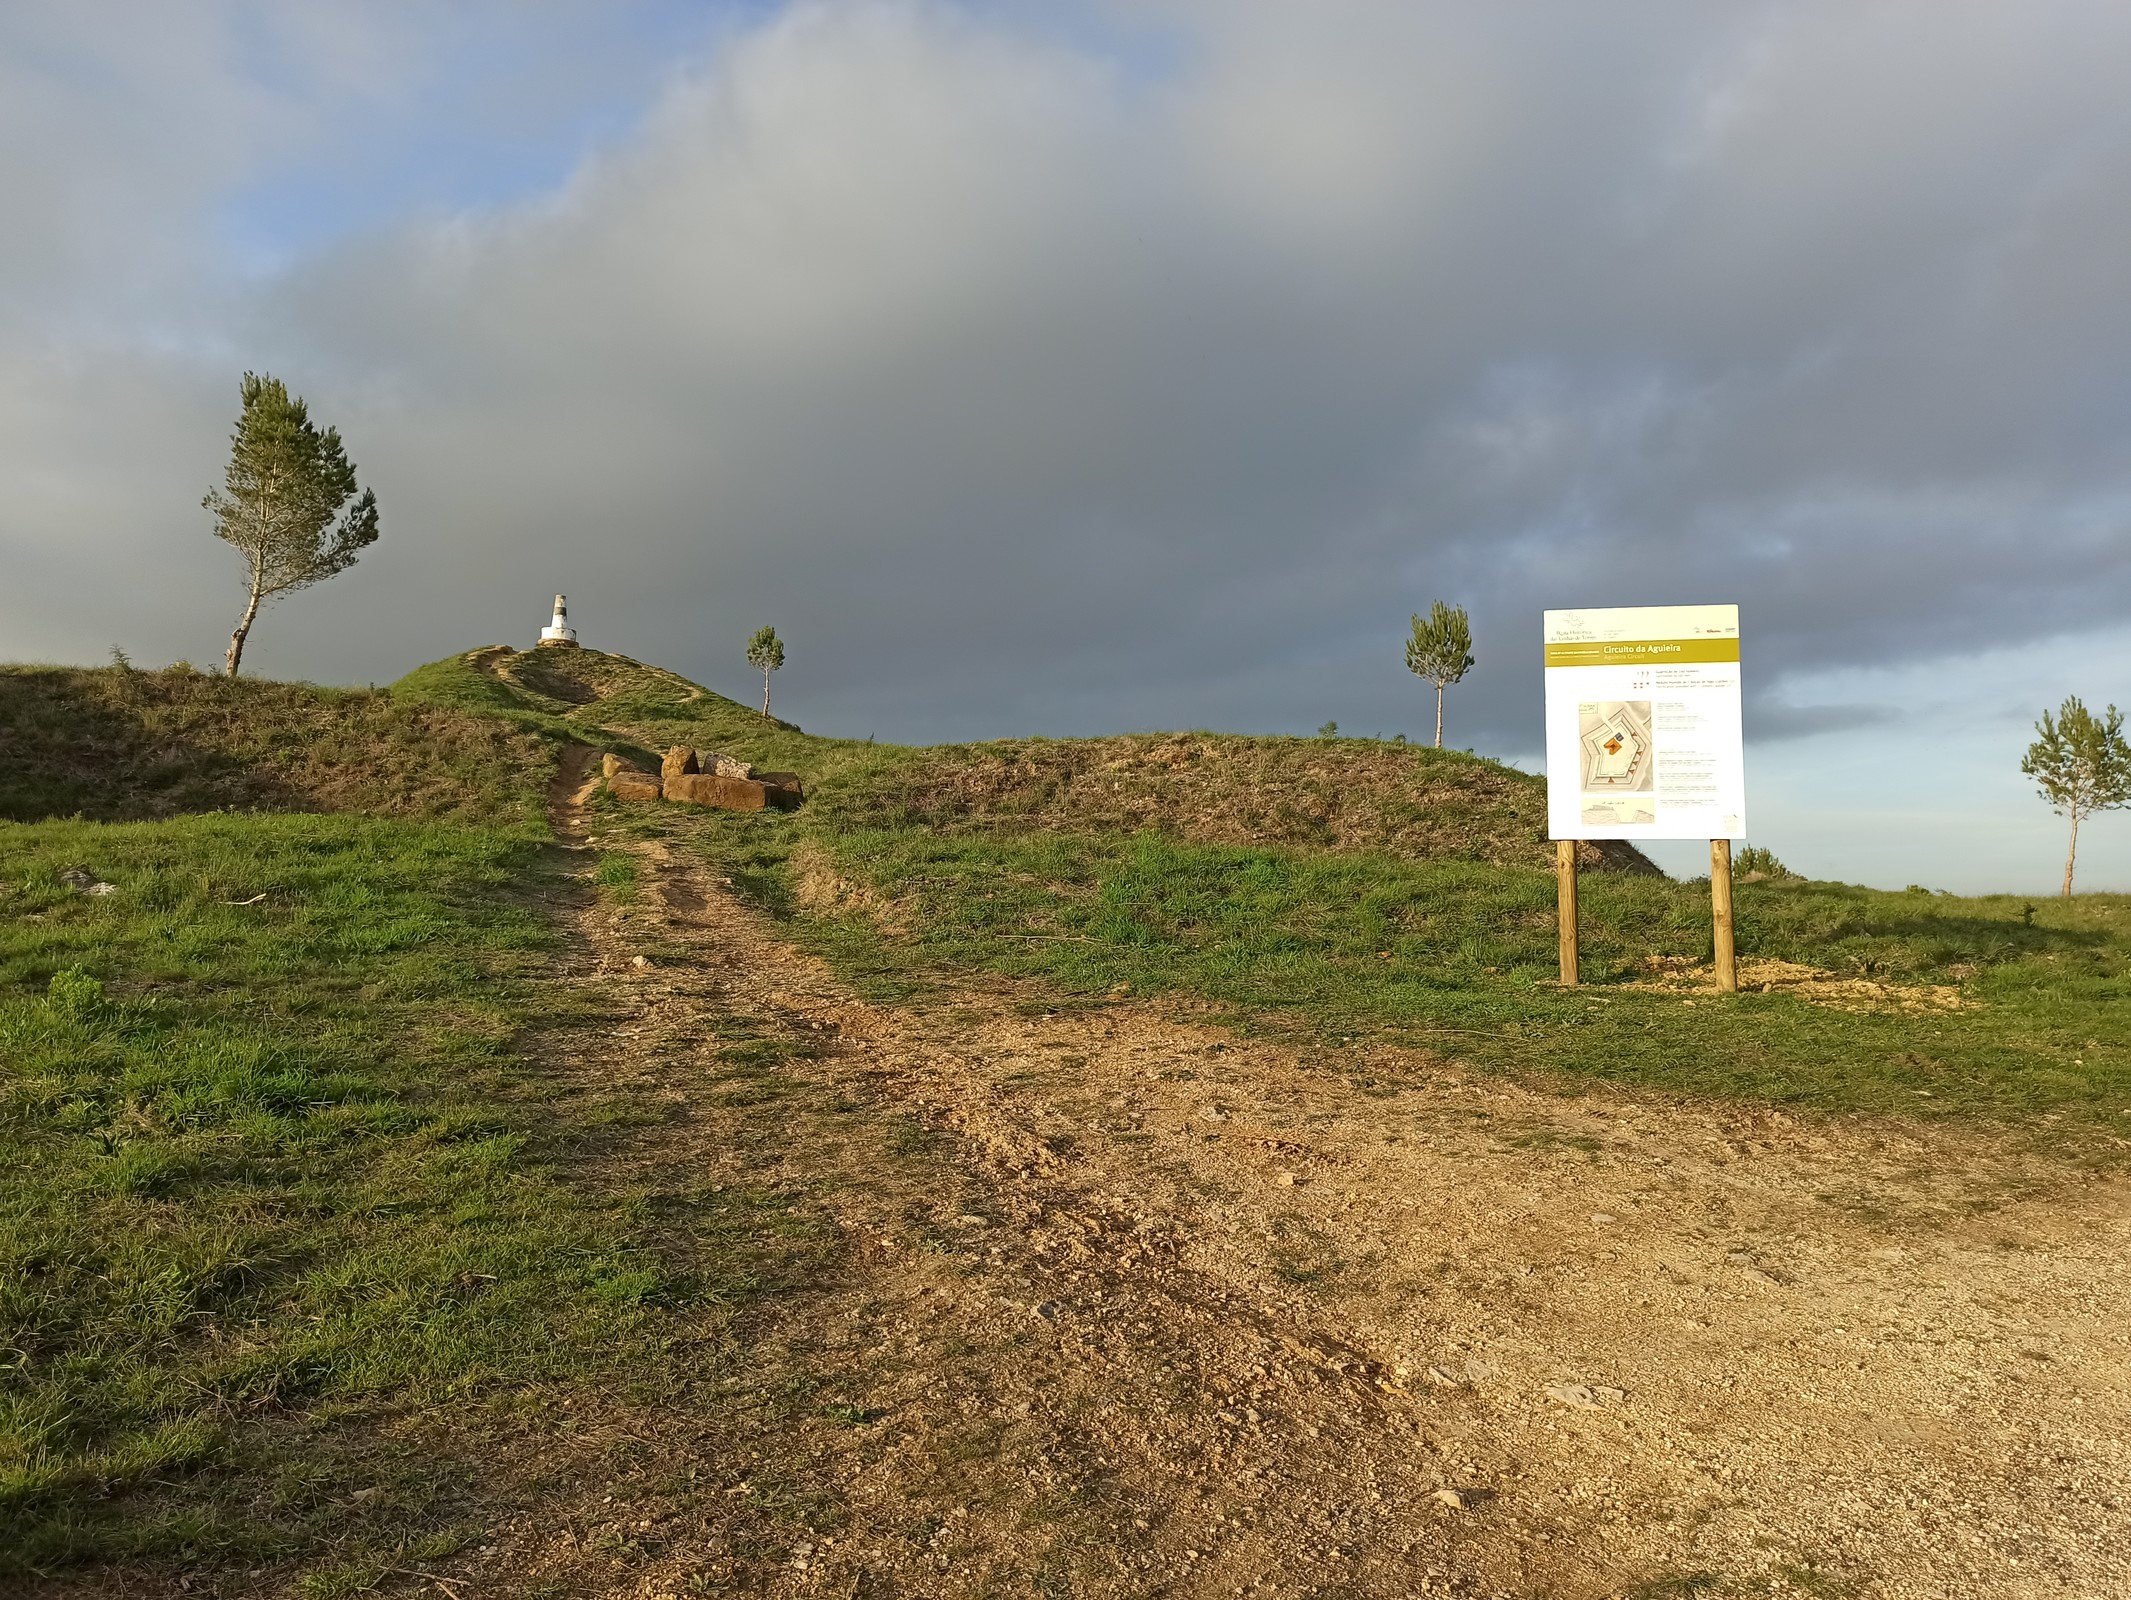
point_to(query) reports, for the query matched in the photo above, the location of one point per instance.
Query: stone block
(787, 781)
(628, 784)
(679, 762)
(610, 764)
(727, 794)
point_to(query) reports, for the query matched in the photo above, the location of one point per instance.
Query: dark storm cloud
(1033, 380)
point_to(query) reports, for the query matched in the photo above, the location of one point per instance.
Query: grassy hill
(1331, 884)
(286, 1176)
(612, 702)
(472, 738)
(112, 744)
(1307, 794)
(1347, 889)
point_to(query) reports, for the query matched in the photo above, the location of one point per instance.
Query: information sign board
(1642, 724)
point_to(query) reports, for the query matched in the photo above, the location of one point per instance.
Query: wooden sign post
(1565, 903)
(1720, 909)
(1644, 741)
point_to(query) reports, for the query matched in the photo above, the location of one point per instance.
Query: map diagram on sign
(1615, 744)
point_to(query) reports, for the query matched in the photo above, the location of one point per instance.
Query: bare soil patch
(818, 886)
(1763, 976)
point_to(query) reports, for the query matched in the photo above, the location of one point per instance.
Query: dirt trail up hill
(1177, 1314)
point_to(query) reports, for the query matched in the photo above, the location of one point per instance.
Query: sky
(1095, 365)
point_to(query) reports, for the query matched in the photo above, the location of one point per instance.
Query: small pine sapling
(765, 652)
(2080, 765)
(1758, 861)
(1440, 650)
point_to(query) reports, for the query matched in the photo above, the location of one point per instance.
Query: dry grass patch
(112, 744)
(1684, 975)
(1338, 794)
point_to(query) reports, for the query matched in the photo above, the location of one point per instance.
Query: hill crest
(473, 737)
(115, 744)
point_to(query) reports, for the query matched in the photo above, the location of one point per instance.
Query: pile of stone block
(704, 778)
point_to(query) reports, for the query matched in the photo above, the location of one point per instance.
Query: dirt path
(501, 661)
(576, 776)
(1127, 1306)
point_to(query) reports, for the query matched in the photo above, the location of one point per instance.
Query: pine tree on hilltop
(766, 652)
(2081, 764)
(282, 502)
(1440, 651)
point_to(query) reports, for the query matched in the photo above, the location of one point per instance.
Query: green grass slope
(1356, 891)
(256, 1165)
(1857, 1000)
(113, 744)
(289, 1199)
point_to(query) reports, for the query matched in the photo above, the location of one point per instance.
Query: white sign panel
(1642, 724)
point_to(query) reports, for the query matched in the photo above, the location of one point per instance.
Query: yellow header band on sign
(1641, 652)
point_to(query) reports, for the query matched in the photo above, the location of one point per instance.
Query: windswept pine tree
(285, 502)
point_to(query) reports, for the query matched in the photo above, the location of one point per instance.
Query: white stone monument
(559, 632)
